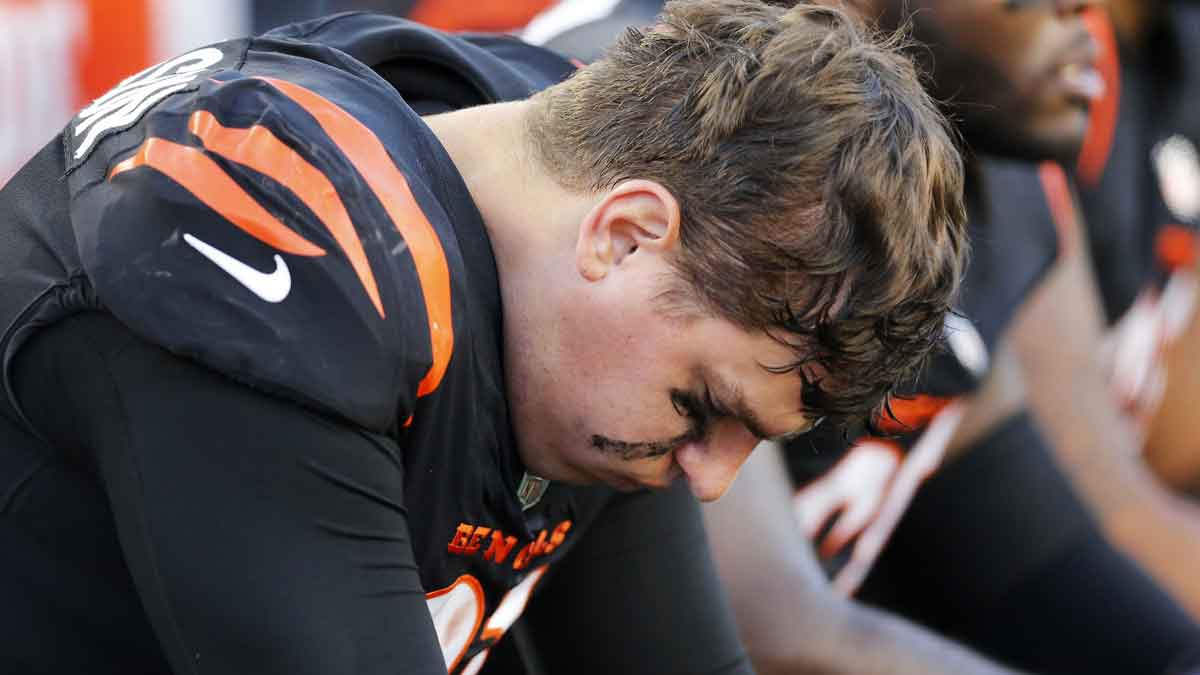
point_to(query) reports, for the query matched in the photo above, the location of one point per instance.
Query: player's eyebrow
(730, 397)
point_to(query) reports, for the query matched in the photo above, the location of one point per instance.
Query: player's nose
(711, 464)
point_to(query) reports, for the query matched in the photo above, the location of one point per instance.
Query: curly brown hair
(819, 185)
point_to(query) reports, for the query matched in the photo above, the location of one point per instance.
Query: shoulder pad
(275, 222)
(434, 69)
(1014, 241)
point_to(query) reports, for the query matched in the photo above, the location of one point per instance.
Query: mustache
(633, 450)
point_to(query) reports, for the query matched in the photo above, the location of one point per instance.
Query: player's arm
(997, 539)
(789, 617)
(1173, 435)
(1057, 338)
(261, 536)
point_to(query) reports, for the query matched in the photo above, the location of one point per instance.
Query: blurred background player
(1140, 190)
(972, 556)
(1139, 175)
(997, 538)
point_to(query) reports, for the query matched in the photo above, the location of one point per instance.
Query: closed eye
(699, 413)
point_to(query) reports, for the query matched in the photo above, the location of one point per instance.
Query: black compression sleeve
(261, 537)
(639, 595)
(67, 604)
(996, 550)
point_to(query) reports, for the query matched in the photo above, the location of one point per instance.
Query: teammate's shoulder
(1016, 225)
(1031, 210)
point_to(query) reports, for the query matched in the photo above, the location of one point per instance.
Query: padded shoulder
(436, 71)
(1016, 223)
(273, 219)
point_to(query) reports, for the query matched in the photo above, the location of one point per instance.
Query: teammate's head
(1018, 74)
(803, 195)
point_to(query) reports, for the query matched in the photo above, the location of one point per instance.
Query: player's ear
(636, 215)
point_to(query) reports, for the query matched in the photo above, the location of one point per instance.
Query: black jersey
(1142, 203)
(275, 209)
(853, 492)
(1152, 169)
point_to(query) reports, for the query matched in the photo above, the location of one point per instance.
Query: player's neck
(533, 224)
(525, 211)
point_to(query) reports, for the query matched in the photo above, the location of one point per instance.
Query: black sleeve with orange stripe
(271, 217)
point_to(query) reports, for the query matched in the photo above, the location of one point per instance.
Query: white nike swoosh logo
(273, 287)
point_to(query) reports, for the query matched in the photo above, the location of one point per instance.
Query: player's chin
(629, 482)
(1060, 135)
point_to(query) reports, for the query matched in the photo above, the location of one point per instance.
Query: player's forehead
(751, 369)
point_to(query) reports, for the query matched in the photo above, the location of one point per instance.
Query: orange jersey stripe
(492, 15)
(1061, 203)
(1175, 247)
(364, 149)
(911, 414)
(1102, 125)
(259, 149)
(201, 176)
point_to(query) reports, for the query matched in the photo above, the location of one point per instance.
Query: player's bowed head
(739, 221)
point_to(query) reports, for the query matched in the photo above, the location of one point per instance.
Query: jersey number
(457, 612)
(125, 103)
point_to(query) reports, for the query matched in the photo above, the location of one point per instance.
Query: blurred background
(57, 55)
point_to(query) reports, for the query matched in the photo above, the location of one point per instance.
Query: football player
(333, 350)
(1141, 195)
